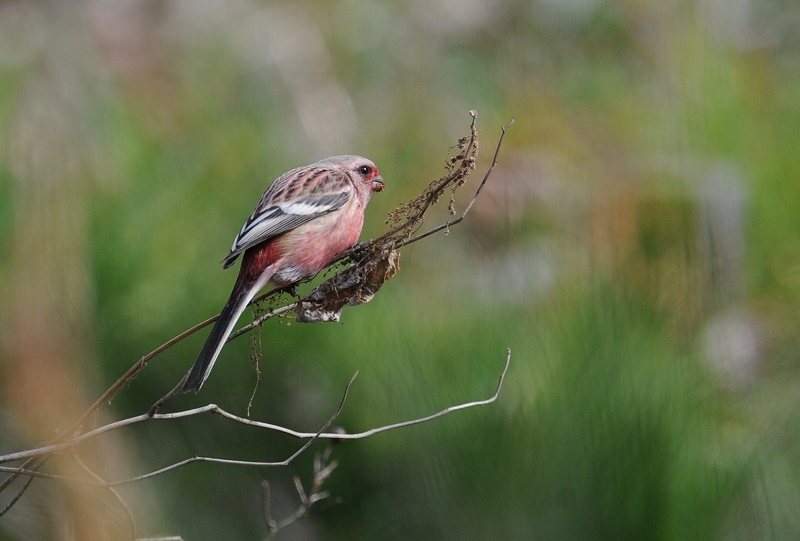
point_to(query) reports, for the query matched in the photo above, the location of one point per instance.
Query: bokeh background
(638, 249)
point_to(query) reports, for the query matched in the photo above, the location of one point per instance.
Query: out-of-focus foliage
(638, 249)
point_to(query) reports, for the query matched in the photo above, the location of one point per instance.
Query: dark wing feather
(297, 197)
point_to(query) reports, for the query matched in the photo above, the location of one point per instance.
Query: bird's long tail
(243, 292)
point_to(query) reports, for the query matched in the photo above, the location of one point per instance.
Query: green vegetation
(638, 249)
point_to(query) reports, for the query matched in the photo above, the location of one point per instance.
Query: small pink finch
(306, 218)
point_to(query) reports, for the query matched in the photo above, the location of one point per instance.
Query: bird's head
(361, 170)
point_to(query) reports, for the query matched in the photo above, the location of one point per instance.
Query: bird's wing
(295, 198)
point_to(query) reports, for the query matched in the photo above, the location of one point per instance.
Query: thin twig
(261, 319)
(116, 495)
(20, 492)
(323, 468)
(256, 356)
(450, 223)
(51, 476)
(266, 493)
(434, 191)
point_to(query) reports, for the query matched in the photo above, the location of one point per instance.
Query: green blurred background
(638, 249)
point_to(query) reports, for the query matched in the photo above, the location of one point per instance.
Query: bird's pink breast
(310, 247)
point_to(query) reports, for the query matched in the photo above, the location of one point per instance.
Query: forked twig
(323, 468)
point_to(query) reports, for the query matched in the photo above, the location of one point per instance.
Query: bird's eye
(365, 169)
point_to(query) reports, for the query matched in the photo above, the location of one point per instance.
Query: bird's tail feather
(243, 292)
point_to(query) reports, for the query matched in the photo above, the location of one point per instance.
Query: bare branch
(213, 408)
(259, 464)
(176, 465)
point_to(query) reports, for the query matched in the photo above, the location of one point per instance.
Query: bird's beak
(377, 184)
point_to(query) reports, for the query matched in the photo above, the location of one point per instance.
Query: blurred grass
(637, 249)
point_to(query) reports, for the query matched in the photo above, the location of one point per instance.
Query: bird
(303, 221)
